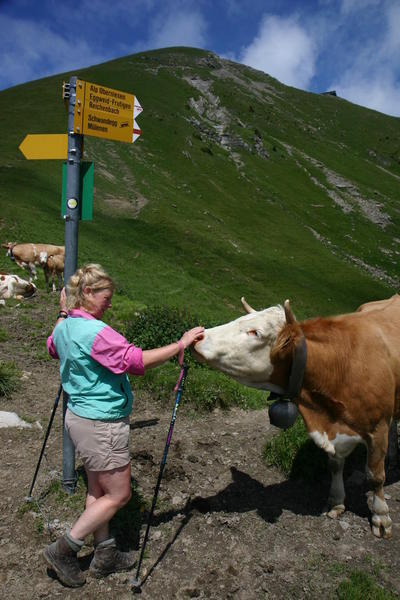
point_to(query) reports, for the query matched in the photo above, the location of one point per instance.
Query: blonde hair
(91, 276)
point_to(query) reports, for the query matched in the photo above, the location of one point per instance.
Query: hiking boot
(63, 559)
(108, 559)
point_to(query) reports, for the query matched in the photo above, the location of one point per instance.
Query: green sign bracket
(85, 192)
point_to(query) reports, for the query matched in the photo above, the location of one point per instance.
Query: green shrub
(9, 378)
(207, 389)
(3, 335)
(204, 389)
(159, 326)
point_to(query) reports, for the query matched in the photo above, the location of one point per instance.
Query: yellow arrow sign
(45, 146)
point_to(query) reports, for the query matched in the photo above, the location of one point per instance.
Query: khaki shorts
(102, 445)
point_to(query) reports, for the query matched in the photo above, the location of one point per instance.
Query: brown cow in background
(54, 268)
(28, 256)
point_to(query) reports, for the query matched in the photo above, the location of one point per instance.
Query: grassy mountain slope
(238, 185)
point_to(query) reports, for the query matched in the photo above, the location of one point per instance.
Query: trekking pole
(53, 412)
(179, 389)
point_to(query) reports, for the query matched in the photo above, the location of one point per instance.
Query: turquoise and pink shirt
(94, 362)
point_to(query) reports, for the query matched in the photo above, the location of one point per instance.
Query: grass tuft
(9, 378)
(361, 586)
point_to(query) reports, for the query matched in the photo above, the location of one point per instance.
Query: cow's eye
(253, 332)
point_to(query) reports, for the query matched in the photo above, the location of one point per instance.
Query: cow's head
(29, 290)
(9, 246)
(241, 348)
(43, 258)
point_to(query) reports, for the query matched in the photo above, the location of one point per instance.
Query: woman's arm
(157, 356)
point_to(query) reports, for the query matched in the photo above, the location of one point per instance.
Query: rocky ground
(226, 525)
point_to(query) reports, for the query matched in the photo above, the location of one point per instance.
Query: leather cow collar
(296, 375)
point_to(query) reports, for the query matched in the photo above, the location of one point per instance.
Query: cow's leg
(53, 281)
(377, 447)
(32, 272)
(337, 449)
(46, 278)
(392, 451)
(336, 492)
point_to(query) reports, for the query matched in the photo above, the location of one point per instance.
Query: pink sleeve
(114, 352)
(51, 349)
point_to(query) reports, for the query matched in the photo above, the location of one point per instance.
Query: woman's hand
(191, 336)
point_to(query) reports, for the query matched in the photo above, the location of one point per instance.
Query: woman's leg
(95, 491)
(108, 491)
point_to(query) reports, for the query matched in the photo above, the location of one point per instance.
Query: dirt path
(226, 526)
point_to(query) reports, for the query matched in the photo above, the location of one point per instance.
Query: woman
(94, 362)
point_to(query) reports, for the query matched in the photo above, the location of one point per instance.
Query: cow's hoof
(335, 511)
(381, 532)
(382, 526)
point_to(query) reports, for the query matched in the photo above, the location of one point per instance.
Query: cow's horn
(246, 306)
(290, 318)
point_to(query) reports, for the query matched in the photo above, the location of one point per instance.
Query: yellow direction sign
(37, 146)
(102, 125)
(103, 112)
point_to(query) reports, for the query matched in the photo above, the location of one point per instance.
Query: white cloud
(283, 49)
(178, 28)
(372, 78)
(349, 6)
(393, 33)
(29, 50)
(381, 93)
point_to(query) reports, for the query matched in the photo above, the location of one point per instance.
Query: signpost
(93, 110)
(45, 146)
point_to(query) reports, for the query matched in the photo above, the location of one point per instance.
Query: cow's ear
(290, 318)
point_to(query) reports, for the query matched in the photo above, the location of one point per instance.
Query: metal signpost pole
(71, 257)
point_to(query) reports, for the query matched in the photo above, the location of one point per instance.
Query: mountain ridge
(239, 185)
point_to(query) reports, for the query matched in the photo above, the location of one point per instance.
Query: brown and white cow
(28, 256)
(13, 286)
(350, 390)
(54, 267)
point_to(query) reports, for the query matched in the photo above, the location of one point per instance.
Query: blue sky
(351, 46)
